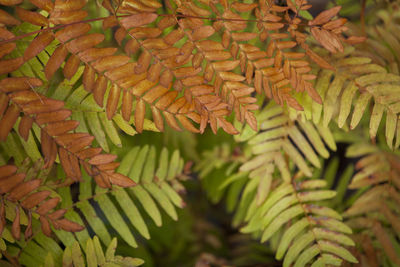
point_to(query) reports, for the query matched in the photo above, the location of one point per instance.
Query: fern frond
(367, 74)
(318, 230)
(377, 207)
(157, 179)
(90, 254)
(288, 132)
(93, 118)
(20, 196)
(187, 66)
(56, 132)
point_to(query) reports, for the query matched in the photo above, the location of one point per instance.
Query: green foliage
(302, 147)
(93, 256)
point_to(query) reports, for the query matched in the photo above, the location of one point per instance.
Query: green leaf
(67, 257)
(298, 245)
(110, 252)
(110, 129)
(306, 256)
(99, 251)
(337, 250)
(91, 254)
(131, 211)
(173, 167)
(162, 199)
(148, 203)
(138, 164)
(150, 165)
(283, 218)
(115, 219)
(77, 256)
(289, 236)
(49, 261)
(163, 165)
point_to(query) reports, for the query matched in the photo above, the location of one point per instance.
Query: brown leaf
(89, 152)
(69, 5)
(8, 121)
(154, 72)
(25, 126)
(68, 225)
(80, 143)
(109, 62)
(67, 17)
(49, 149)
(3, 103)
(31, 17)
(227, 126)
(43, 105)
(187, 124)
(108, 167)
(7, 170)
(101, 182)
(6, 49)
(202, 32)
(45, 225)
(10, 65)
(85, 42)
(99, 90)
(88, 79)
(166, 100)
(171, 121)
(325, 16)
(54, 116)
(47, 5)
(112, 101)
(71, 66)
(127, 102)
(57, 214)
(10, 2)
(34, 199)
(244, 7)
(55, 61)
(140, 112)
(157, 118)
(16, 227)
(7, 19)
(72, 32)
(23, 189)
(47, 206)
(61, 127)
(227, 65)
(96, 53)
(28, 231)
(66, 163)
(102, 159)
(38, 44)
(139, 19)
(143, 62)
(121, 180)
(352, 40)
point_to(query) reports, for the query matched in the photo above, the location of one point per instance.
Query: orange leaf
(137, 20)
(325, 16)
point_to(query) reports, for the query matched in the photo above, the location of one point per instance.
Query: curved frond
(310, 230)
(116, 210)
(23, 199)
(56, 131)
(356, 82)
(91, 254)
(376, 207)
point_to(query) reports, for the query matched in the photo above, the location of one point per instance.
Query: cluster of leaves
(79, 78)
